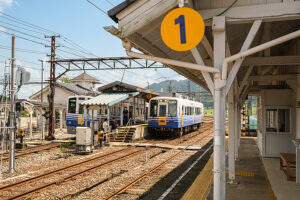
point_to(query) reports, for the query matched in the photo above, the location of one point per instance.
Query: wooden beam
(245, 80)
(133, 20)
(205, 75)
(272, 60)
(277, 77)
(265, 12)
(143, 44)
(207, 46)
(248, 41)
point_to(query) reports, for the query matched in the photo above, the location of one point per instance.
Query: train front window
(172, 111)
(153, 108)
(162, 110)
(81, 109)
(72, 105)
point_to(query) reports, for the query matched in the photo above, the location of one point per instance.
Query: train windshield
(162, 110)
(153, 108)
(172, 111)
(72, 105)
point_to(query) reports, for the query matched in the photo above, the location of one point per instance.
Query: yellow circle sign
(182, 29)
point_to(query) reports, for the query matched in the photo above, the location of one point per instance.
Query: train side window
(153, 108)
(182, 110)
(172, 109)
(72, 105)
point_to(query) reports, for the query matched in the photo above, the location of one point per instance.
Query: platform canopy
(139, 23)
(109, 99)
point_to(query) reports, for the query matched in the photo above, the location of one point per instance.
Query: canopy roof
(109, 99)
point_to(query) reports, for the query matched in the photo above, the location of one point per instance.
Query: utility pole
(189, 88)
(199, 93)
(170, 86)
(12, 111)
(42, 77)
(51, 128)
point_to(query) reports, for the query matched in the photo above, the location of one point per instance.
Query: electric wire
(22, 50)
(97, 7)
(110, 2)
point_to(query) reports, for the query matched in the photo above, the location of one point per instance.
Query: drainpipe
(256, 49)
(177, 63)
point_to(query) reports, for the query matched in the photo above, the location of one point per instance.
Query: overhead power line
(109, 2)
(97, 7)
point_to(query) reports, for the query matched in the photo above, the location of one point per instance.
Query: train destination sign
(182, 29)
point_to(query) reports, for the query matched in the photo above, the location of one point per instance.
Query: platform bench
(289, 159)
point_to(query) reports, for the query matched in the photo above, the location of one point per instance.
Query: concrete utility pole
(12, 111)
(189, 88)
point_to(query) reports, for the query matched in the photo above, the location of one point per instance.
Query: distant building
(83, 84)
(137, 105)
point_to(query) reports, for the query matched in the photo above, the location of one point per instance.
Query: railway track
(151, 171)
(31, 185)
(31, 150)
(47, 179)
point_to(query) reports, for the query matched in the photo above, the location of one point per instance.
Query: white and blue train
(75, 113)
(173, 114)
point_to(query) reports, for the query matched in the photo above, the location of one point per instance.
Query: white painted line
(182, 175)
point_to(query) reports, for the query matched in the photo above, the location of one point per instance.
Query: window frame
(277, 108)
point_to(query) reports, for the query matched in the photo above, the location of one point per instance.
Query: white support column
(134, 110)
(219, 109)
(30, 122)
(231, 134)
(121, 115)
(61, 119)
(43, 124)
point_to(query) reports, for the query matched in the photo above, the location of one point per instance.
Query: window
(81, 109)
(278, 120)
(72, 105)
(162, 110)
(172, 112)
(153, 108)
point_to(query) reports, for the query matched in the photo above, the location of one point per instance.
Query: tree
(65, 79)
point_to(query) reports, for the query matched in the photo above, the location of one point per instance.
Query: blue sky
(80, 22)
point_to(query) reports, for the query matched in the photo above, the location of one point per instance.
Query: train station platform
(251, 177)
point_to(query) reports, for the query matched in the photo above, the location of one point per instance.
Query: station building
(253, 49)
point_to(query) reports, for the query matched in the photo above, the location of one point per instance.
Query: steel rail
(70, 176)
(32, 150)
(126, 187)
(58, 170)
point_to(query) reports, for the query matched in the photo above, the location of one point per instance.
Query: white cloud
(5, 3)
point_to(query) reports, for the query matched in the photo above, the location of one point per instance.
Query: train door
(162, 113)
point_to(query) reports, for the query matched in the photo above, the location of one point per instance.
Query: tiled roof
(85, 77)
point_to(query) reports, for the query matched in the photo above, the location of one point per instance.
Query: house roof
(128, 86)
(85, 77)
(73, 88)
(109, 99)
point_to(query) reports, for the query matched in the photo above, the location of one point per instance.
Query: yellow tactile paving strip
(201, 185)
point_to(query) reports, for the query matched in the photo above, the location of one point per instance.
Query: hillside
(182, 87)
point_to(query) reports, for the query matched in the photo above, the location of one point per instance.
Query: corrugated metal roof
(108, 99)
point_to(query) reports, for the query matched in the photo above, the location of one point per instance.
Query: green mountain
(182, 87)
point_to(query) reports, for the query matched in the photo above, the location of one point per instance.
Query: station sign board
(182, 29)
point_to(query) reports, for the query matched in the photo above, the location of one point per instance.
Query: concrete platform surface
(282, 188)
(250, 174)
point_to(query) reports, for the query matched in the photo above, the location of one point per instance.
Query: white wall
(60, 97)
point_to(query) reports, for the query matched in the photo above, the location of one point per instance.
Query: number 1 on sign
(180, 20)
